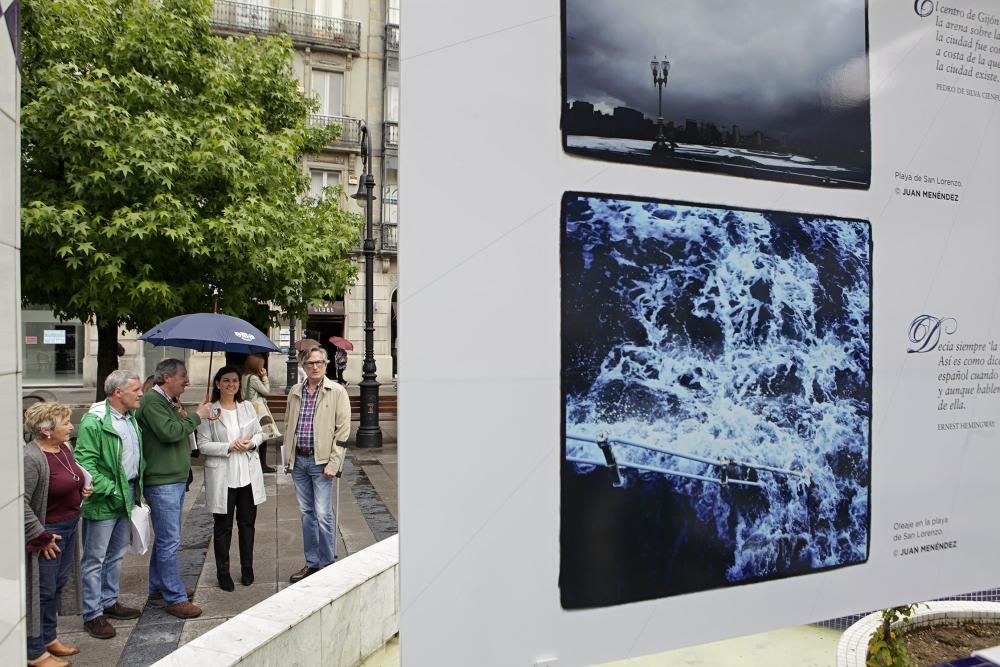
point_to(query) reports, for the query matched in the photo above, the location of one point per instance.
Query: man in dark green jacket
(109, 448)
(167, 431)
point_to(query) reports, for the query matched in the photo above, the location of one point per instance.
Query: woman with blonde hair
(256, 388)
(54, 486)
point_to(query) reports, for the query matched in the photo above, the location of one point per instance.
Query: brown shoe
(60, 650)
(48, 660)
(303, 573)
(99, 628)
(183, 610)
(157, 595)
(121, 612)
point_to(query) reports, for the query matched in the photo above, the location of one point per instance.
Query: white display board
(54, 336)
(510, 201)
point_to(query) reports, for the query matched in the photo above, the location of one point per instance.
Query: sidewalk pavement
(368, 511)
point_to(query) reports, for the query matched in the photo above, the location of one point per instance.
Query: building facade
(12, 612)
(347, 57)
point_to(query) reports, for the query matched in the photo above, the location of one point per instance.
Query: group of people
(137, 445)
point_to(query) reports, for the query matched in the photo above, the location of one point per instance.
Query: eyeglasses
(314, 364)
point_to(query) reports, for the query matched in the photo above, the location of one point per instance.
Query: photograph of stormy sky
(775, 89)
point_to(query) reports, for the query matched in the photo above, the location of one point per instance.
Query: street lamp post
(291, 365)
(369, 431)
(661, 70)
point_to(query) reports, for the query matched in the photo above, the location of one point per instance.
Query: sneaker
(121, 612)
(183, 610)
(303, 573)
(99, 628)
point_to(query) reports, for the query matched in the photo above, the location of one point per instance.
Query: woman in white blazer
(234, 482)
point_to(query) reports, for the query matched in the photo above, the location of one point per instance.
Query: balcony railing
(390, 135)
(300, 26)
(391, 37)
(350, 129)
(390, 237)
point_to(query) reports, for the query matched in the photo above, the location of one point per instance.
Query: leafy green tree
(161, 170)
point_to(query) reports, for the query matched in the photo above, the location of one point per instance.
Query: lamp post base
(291, 375)
(662, 150)
(369, 432)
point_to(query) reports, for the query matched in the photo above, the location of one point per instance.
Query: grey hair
(117, 380)
(165, 368)
(304, 354)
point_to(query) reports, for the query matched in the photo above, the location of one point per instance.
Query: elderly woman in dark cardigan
(54, 486)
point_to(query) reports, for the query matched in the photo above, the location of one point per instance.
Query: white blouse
(239, 462)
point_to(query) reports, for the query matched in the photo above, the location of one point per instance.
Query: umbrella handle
(208, 385)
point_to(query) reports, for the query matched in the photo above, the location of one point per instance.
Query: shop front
(53, 350)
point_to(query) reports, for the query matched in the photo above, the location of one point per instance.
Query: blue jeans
(52, 576)
(104, 545)
(165, 504)
(315, 495)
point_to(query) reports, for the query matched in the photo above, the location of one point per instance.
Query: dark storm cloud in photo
(779, 66)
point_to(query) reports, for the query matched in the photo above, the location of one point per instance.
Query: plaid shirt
(305, 441)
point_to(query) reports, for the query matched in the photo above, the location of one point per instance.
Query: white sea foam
(787, 387)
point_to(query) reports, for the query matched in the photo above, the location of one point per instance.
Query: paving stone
(199, 626)
(95, 652)
(217, 603)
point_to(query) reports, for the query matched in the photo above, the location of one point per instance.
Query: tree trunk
(107, 353)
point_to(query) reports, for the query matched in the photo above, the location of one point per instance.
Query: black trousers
(240, 503)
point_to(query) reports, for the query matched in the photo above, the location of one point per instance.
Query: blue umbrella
(210, 332)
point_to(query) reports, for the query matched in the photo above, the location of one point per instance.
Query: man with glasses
(318, 423)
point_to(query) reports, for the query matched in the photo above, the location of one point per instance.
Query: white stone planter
(335, 618)
(853, 646)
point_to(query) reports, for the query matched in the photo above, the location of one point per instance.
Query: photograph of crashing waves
(717, 402)
(775, 89)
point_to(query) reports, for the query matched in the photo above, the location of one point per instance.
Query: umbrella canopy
(342, 343)
(210, 332)
(306, 343)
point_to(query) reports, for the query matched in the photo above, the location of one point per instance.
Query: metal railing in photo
(391, 37)
(390, 135)
(300, 26)
(350, 129)
(727, 468)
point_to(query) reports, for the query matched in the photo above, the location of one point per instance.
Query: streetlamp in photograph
(369, 431)
(291, 364)
(661, 70)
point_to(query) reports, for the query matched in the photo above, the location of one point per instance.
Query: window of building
(330, 8)
(153, 355)
(253, 14)
(329, 88)
(322, 179)
(392, 12)
(53, 349)
(392, 101)
(390, 191)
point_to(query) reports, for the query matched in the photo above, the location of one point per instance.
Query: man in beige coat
(317, 425)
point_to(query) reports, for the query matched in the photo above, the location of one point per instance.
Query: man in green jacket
(109, 448)
(166, 434)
